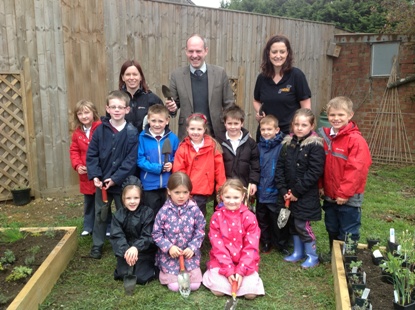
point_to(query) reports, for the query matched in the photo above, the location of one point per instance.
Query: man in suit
(199, 88)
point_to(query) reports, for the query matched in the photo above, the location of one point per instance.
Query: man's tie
(198, 72)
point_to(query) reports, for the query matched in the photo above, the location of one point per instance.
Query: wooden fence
(76, 49)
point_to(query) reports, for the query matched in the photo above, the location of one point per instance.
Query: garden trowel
(166, 92)
(130, 281)
(231, 304)
(183, 279)
(166, 150)
(284, 214)
(105, 206)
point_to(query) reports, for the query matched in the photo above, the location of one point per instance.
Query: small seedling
(1, 266)
(8, 257)
(29, 260)
(19, 272)
(357, 264)
(50, 233)
(4, 299)
(36, 234)
(34, 249)
(355, 279)
(350, 245)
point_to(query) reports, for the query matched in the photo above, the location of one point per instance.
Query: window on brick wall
(382, 58)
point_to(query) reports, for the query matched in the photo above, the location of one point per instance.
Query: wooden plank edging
(42, 281)
(341, 291)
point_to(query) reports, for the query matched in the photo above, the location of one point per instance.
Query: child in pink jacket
(234, 236)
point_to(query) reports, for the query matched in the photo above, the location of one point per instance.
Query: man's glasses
(113, 107)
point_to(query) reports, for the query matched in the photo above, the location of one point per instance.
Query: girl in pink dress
(234, 236)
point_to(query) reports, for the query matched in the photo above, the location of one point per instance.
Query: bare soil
(381, 293)
(22, 249)
(42, 211)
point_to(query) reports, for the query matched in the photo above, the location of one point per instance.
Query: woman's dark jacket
(300, 165)
(139, 104)
(244, 164)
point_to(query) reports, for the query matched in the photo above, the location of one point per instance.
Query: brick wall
(351, 77)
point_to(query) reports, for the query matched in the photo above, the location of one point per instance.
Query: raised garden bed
(379, 289)
(45, 277)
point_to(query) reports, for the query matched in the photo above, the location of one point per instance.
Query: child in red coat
(200, 157)
(86, 119)
(234, 236)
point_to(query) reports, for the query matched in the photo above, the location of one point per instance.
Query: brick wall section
(351, 77)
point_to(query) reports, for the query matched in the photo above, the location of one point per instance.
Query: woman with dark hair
(133, 83)
(280, 88)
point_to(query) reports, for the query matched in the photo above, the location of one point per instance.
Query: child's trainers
(85, 233)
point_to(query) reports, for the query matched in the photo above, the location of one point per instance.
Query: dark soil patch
(381, 293)
(22, 249)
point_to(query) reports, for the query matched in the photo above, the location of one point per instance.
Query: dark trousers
(341, 220)
(100, 226)
(144, 269)
(89, 212)
(201, 201)
(302, 229)
(267, 216)
(155, 199)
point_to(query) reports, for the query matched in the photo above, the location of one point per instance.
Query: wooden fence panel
(77, 48)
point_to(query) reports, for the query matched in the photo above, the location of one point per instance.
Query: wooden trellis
(388, 141)
(15, 125)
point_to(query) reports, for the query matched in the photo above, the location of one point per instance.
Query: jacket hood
(221, 207)
(311, 138)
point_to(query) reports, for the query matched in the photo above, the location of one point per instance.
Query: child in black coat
(131, 238)
(300, 165)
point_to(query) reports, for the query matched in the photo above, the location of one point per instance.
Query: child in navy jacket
(111, 157)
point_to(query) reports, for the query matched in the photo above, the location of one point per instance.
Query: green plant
(51, 233)
(357, 264)
(29, 260)
(355, 279)
(19, 272)
(11, 234)
(3, 299)
(8, 257)
(350, 245)
(362, 307)
(403, 277)
(34, 249)
(1, 266)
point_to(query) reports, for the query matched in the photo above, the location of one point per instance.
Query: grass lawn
(88, 284)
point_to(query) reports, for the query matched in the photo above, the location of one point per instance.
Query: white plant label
(365, 293)
(377, 254)
(364, 277)
(392, 235)
(395, 293)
